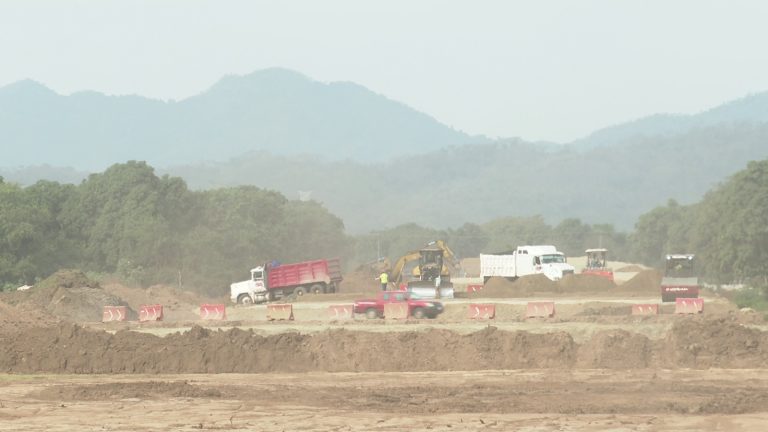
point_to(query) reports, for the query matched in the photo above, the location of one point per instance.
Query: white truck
(524, 261)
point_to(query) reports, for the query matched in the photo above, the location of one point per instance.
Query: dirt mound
(606, 311)
(526, 286)
(691, 343)
(705, 343)
(13, 318)
(585, 283)
(178, 304)
(630, 269)
(68, 295)
(617, 349)
(360, 281)
(73, 349)
(534, 285)
(647, 281)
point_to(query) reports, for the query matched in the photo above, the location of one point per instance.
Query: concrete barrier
(214, 312)
(481, 311)
(150, 313)
(540, 310)
(276, 312)
(341, 312)
(689, 305)
(114, 313)
(645, 309)
(474, 288)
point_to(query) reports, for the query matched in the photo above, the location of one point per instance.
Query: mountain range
(373, 161)
(274, 110)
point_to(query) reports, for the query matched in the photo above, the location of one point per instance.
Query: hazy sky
(553, 70)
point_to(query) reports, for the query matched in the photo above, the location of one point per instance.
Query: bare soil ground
(592, 367)
(521, 400)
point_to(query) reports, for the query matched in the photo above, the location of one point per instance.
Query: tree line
(149, 229)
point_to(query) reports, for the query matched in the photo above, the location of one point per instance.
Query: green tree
(661, 231)
(506, 234)
(730, 230)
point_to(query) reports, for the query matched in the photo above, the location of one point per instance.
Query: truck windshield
(258, 275)
(552, 259)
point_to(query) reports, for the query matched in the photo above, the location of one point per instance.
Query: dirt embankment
(67, 295)
(645, 282)
(694, 343)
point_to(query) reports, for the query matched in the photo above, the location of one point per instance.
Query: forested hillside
(477, 183)
(727, 229)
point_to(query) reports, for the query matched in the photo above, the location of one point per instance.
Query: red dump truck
(273, 281)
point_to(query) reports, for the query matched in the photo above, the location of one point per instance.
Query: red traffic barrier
(474, 288)
(396, 311)
(213, 312)
(689, 305)
(341, 312)
(540, 310)
(114, 313)
(481, 311)
(645, 309)
(276, 312)
(151, 313)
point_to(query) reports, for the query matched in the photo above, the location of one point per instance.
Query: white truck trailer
(524, 261)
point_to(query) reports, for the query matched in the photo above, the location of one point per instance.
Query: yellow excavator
(430, 268)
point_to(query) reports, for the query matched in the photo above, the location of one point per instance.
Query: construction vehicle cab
(597, 263)
(679, 279)
(431, 276)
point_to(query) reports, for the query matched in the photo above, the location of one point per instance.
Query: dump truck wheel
(317, 289)
(244, 299)
(299, 291)
(418, 313)
(371, 313)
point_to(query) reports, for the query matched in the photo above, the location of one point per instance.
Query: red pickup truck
(374, 308)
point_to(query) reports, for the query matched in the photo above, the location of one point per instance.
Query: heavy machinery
(524, 261)
(597, 264)
(274, 281)
(430, 271)
(680, 280)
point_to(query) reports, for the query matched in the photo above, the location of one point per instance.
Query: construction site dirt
(593, 366)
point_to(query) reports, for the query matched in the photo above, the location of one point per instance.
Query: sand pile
(630, 269)
(691, 343)
(68, 295)
(585, 283)
(526, 286)
(537, 285)
(360, 281)
(647, 281)
(178, 304)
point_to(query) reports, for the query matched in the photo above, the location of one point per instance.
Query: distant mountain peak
(752, 108)
(259, 79)
(26, 87)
